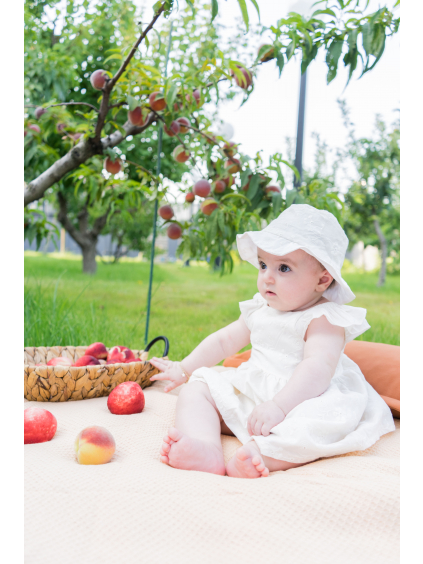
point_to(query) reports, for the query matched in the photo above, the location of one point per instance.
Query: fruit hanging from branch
(173, 129)
(269, 189)
(233, 166)
(266, 52)
(244, 81)
(189, 197)
(202, 188)
(98, 79)
(157, 101)
(137, 117)
(113, 166)
(184, 124)
(174, 231)
(39, 112)
(208, 206)
(180, 154)
(219, 186)
(166, 212)
(34, 127)
(196, 95)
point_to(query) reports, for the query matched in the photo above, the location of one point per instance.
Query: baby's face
(291, 282)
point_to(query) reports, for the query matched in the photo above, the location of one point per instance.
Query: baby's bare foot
(180, 451)
(247, 463)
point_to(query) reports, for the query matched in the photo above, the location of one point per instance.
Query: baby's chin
(275, 302)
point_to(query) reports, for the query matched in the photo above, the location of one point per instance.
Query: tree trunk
(89, 252)
(384, 252)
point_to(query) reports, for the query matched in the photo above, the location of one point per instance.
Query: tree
(202, 78)
(373, 199)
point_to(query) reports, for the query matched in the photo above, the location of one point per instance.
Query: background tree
(196, 80)
(373, 199)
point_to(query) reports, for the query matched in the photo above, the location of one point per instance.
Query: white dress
(350, 415)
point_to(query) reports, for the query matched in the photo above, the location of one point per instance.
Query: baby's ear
(325, 281)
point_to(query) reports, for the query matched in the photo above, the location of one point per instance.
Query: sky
(271, 113)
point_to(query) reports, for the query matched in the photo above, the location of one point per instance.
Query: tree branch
(79, 154)
(62, 216)
(108, 87)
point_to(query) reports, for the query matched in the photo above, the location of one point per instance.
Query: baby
(299, 397)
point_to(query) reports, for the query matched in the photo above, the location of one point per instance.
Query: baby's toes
(260, 466)
(165, 448)
(164, 459)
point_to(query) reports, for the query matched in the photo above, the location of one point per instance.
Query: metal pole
(153, 242)
(300, 130)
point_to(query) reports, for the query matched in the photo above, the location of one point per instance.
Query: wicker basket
(70, 383)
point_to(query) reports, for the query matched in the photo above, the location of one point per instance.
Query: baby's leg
(248, 462)
(194, 443)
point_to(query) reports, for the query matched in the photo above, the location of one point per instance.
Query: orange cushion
(379, 363)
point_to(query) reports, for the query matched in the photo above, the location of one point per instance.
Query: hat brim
(250, 241)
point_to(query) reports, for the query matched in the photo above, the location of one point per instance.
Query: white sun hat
(317, 232)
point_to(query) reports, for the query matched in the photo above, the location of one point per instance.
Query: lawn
(65, 307)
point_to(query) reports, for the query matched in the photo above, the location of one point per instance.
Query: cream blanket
(343, 509)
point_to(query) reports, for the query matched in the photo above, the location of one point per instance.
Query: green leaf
(244, 12)
(253, 187)
(291, 196)
(171, 94)
(277, 203)
(280, 61)
(215, 8)
(132, 103)
(291, 48)
(327, 11)
(332, 57)
(115, 56)
(256, 7)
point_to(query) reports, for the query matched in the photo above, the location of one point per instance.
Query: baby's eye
(262, 265)
(284, 268)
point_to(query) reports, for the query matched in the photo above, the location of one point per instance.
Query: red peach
(97, 350)
(174, 231)
(180, 155)
(59, 361)
(230, 149)
(39, 425)
(184, 124)
(202, 188)
(189, 197)
(208, 206)
(98, 79)
(233, 166)
(34, 127)
(60, 126)
(267, 54)
(247, 78)
(166, 212)
(127, 398)
(219, 186)
(112, 166)
(196, 95)
(228, 180)
(136, 116)
(173, 129)
(94, 445)
(39, 112)
(86, 360)
(128, 360)
(119, 354)
(157, 101)
(272, 189)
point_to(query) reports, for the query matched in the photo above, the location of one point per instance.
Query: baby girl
(299, 397)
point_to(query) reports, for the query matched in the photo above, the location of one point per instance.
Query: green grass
(65, 307)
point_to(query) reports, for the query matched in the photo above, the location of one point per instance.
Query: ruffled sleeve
(353, 319)
(249, 307)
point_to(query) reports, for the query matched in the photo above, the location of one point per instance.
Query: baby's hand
(169, 371)
(263, 418)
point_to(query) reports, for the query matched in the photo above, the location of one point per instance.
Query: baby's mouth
(269, 293)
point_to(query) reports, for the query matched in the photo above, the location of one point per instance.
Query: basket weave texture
(70, 383)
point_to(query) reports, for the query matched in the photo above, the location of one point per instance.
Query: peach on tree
(174, 231)
(98, 79)
(166, 212)
(157, 101)
(180, 155)
(202, 188)
(112, 166)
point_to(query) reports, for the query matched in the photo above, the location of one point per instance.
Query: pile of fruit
(97, 353)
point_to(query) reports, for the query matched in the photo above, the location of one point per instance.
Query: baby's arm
(214, 348)
(323, 347)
